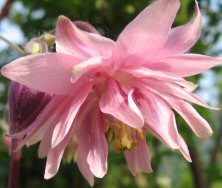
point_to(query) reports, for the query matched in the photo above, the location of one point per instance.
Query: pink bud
(36, 45)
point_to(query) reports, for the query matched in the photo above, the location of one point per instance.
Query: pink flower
(121, 88)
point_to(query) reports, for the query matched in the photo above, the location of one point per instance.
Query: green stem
(12, 45)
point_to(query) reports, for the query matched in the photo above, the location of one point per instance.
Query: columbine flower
(105, 90)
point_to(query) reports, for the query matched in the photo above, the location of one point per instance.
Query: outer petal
(159, 118)
(148, 32)
(114, 101)
(84, 143)
(49, 73)
(92, 148)
(98, 153)
(63, 126)
(182, 38)
(184, 149)
(185, 65)
(54, 158)
(82, 153)
(45, 120)
(73, 41)
(143, 72)
(199, 125)
(45, 144)
(139, 158)
(173, 90)
(43, 116)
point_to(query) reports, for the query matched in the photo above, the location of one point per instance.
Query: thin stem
(216, 148)
(197, 168)
(12, 45)
(13, 181)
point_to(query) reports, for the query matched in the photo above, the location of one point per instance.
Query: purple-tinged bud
(25, 104)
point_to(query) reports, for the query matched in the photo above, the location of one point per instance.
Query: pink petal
(159, 118)
(45, 144)
(67, 117)
(83, 150)
(73, 41)
(184, 149)
(82, 121)
(35, 136)
(185, 65)
(46, 120)
(199, 125)
(173, 90)
(49, 109)
(54, 158)
(148, 32)
(139, 158)
(116, 102)
(182, 38)
(98, 153)
(144, 72)
(50, 73)
(95, 63)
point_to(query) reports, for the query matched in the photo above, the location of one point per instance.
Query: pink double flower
(104, 91)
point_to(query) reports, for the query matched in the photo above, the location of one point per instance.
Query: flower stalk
(13, 181)
(13, 46)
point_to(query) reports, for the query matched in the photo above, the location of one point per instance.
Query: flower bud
(49, 39)
(36, 45)
(24, 106)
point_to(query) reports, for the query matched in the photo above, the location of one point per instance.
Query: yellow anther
(140, 133)
(134, 143)
(110, 135)
(106, 127)
(117, 145)
(126, 143)
(49, 39)
(124, 137)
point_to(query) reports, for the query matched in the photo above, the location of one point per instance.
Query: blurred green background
(22, 20)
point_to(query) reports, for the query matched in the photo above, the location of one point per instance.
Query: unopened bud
(25, 104)
(36, 45)
(49, 39)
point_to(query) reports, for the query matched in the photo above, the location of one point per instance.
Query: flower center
(124, 136)
(124, 78)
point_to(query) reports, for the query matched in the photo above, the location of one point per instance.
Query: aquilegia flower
(115, 91)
